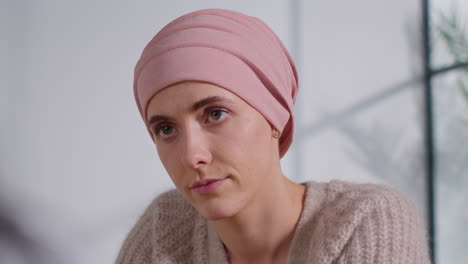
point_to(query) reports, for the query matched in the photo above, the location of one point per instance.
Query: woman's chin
(216, 210)
(215, 216)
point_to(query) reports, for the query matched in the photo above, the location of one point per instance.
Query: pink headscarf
(237, 52)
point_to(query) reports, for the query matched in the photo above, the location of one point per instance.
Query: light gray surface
(360, 106)
(450, 133)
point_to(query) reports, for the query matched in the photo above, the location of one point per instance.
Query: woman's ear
(275, 133)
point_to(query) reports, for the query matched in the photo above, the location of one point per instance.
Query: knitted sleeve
(386, 229)
(163, 234)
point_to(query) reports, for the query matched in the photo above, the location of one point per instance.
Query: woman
(216, 90)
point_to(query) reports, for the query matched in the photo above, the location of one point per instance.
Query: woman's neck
(263, 230)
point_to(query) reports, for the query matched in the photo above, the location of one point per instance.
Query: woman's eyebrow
(209, 100)
(197, 105)
(156, 118)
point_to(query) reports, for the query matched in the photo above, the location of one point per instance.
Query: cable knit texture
(341, 223)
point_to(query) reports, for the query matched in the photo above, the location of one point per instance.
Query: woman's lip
(204, 182)
(207, 186)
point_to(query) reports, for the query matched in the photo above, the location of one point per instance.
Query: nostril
(197, 159)
(200, 159)
(201, 163)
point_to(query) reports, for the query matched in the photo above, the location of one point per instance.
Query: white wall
(451, 136)
(76, 164)
(361, 101)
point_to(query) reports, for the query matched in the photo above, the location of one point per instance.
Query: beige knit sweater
(341, 223)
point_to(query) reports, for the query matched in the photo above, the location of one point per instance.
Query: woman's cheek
(169, 161)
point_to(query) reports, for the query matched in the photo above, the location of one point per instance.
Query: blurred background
(383, 98)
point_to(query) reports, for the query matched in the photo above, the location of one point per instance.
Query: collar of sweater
(300, 247)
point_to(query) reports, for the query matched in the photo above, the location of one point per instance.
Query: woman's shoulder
(164, 232)
(168, 211)
(171, 204)
(351, 203)
(337, 193)
(366, 191)
(352, 215)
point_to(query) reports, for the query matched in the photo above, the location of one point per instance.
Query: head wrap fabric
(237, 52)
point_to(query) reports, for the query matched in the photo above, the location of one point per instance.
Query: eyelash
(211, 110)
(207, 112)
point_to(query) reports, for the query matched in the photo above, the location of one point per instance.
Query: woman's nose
(195, 149)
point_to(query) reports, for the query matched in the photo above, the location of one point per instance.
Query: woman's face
(217, 149)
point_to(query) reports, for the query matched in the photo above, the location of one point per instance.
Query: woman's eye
(165, 131)
(217, 115)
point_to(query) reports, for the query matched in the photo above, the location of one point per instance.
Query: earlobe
(275, 133)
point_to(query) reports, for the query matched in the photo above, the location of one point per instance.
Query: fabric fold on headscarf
(237, 52)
